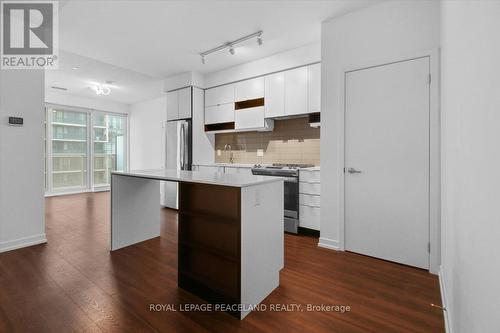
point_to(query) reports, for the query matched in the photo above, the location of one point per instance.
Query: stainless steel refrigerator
(179, 156)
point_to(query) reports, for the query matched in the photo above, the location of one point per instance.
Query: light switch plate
(260, 152)
(219, 152)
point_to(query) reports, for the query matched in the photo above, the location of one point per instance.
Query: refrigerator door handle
(182, 147)
(185, 148)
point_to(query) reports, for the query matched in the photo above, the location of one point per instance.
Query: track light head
(231, 50)
(203, 60)
(259, 40)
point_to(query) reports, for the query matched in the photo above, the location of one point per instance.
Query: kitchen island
(230, 232)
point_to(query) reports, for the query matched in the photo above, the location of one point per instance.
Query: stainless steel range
(290, 172)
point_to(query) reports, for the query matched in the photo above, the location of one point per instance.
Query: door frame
(434, 150)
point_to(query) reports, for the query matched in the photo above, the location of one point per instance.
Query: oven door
(292, 197)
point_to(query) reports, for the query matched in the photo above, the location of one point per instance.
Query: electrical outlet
(260, 152)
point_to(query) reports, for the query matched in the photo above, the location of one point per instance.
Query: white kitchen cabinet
(179, 104)
(238, 170)
(219, 95)
(310, 188)
(172, 105)
(249, 118)
(222, 113)
(296, 91)
(310, 176)
(184, 100)
(309, 217)
(245, 171)
(309, 198)
(314, 88)
(274, 95)
(249, 89)
(210, 168)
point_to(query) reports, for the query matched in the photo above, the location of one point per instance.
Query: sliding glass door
(82, 148)
(67, 142)
(109, 146)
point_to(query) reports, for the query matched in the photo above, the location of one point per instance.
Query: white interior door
(387, 162)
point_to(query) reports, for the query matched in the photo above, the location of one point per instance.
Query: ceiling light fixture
(231, 45)
(75, 68)
(102, 89)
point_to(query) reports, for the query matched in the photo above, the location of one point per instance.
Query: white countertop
(234, 165)
(212, 178)
(241, 165)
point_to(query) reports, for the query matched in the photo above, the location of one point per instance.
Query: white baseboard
(446, 314)
(22, 242)
(329, 244)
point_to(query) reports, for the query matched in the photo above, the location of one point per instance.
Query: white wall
(470, 268)
(102, 104)
(183, 80)
(375, 35)
(22, 212)
(147, 140)
(278, 62)
(203, 143)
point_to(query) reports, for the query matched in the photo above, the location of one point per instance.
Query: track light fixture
(231, 45)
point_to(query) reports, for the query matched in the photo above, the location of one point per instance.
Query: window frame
(89, 187)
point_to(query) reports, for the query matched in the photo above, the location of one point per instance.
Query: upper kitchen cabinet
(172, 105)
(184, 97)
(296, 91)
(249, 89)
(219, 95)
(275, 95)
(314, 88)
(179, 104)
(216, 114)
(219, 108)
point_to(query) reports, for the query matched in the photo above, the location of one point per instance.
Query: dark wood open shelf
(315, 117)
(251, 103)
(219, 126)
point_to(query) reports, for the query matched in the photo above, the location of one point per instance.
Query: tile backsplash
(291, 141)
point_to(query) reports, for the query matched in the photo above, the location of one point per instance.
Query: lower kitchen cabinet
(208, 168)
(238, 170)
(309, 217)
(309, 199)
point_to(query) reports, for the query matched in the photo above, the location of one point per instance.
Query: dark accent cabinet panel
(210, 242)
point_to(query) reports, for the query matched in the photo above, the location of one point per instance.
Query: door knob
(352, 170)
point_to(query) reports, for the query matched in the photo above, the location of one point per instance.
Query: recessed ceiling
(164, 38)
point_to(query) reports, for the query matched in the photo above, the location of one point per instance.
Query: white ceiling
(164, 38)
(127, 86)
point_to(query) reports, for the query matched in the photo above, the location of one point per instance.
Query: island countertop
(212, 178)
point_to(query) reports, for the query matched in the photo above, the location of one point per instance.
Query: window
(109, 146)
(79, 156)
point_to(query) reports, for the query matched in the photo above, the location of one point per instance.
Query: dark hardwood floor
(73, 283)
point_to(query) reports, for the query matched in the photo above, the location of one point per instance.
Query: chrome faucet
(227, 146)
